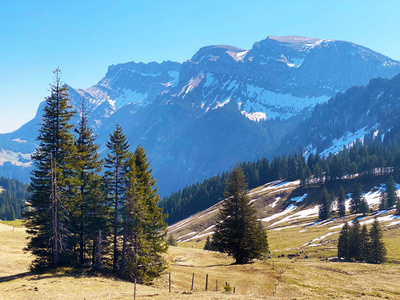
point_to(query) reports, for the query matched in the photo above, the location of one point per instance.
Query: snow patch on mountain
(346, 141)
(238, 56)
(209, 80)
(15, 158)
(129, 96)
(174, 75)
(295, 62)
(255, 116)
(192, 84)
(222, 104)
(275, 105)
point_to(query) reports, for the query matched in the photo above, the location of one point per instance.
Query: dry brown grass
(312, 278)
(16, 282)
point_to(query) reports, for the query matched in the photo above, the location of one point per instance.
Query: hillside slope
(290, 214)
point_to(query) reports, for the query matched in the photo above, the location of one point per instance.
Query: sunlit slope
(290, 214)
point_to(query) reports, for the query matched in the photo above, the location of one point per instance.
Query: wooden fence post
(134, 291)
(206, 282)
(170, 285)
(192, 281)
(216, 285)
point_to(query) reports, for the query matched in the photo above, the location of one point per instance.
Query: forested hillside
(365, 161)
(13, 194)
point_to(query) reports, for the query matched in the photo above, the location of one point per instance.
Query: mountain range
(226, 105)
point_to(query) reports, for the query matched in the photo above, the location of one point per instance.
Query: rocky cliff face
(222, 106)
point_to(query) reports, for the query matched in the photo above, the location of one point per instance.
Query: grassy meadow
(308, 275)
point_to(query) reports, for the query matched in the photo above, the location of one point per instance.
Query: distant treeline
(367, 161)
(13, 194)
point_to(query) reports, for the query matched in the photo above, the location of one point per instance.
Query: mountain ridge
(267, 90)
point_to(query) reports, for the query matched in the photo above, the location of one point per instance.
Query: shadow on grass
(207, 266)
(16, 276)
(53, 274)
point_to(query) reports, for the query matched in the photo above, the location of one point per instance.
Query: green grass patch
(15, 223)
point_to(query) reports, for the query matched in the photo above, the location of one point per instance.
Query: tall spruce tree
(144, 226)
(52, 181)
(237, 232)
(91, 212)
(207, 245)
(376, 247)
(354, 240)
(324, 205)
(341, 202)
(115, 183)
(389, 198)
(363, 244)
(356, 198)
(154, 225)
(343, 242)
(363, 208)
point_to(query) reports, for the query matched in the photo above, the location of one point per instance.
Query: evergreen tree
(377, 249)
(398, 206)
(341, 202)
(52, 181)
(207, 245)
(354, 240)
(364, 242)
(318, 172)
(324, 205)
(146, 235)
(390, 197)
(364, 208)
(91, 212)
(115, 182)
(292, 168)
(356, 198)
(172, 241)
(238, 232)
(343, 242)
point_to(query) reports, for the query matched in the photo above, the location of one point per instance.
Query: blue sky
(84, 37)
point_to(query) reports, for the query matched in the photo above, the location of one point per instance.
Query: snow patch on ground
(299, 199)
(311, 243)
(370, 220)
(273, 204)
(276, 184)
(288, 209)
(305, 213)
(200, 234)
